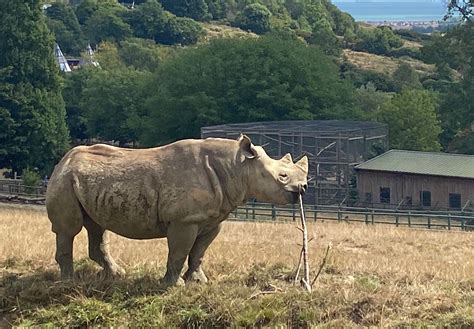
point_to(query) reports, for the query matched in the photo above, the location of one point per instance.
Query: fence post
(409, 218)
(273, 212)
(294, 213)
(315, 209)
(253, 209)
(339, 214)
(246, 211)
(429, 221)
(463, 227)
(449, 221)
(373, 219)
(396, 220)
(366, 216)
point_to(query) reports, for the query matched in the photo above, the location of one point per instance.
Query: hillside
(385, 64)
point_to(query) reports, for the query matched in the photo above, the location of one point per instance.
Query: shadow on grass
(25, 289)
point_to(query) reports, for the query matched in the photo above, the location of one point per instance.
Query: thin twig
(322, 265)
(299, 267)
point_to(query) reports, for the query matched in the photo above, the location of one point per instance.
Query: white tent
(62, 62)
(89, 57)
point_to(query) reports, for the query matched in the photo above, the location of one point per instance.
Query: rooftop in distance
(422, 163)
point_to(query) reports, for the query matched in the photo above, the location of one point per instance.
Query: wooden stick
(305, 280)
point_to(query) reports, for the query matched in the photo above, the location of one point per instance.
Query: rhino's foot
(196, 276)
(167, 282)
(112, 273)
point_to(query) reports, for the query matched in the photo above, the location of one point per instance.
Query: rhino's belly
(140, 232)
(128, 212)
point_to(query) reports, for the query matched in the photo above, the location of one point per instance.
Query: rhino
(181, 191)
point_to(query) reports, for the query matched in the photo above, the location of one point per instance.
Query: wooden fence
(456, 220)
(15, 188)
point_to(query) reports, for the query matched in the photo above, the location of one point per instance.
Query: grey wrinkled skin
(181, 191)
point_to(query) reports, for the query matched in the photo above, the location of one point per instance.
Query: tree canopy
(233, 80)
(31, 105)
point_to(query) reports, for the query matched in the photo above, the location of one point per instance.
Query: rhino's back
(132, 191)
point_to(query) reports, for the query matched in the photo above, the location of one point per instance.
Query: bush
(254, 17)
(30, 179)
(185, 31)
(380, 40)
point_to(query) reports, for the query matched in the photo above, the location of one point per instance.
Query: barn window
(454, 200)
(368, 197)
(425, 198)
(385, 195)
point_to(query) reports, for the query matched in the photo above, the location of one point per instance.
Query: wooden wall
(409, 185)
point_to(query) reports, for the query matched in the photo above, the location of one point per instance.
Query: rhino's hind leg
(195, 272)
(98, 248)
(180, 241)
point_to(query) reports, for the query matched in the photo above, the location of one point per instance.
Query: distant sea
(393, 11)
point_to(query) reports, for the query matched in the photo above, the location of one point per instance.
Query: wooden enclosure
(418, 180)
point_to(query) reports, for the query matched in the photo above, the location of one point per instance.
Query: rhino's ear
(247, 147)
(287, 158)
(303, 163)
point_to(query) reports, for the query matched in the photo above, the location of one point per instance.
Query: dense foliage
(233, 80)
(150, 90)
(34, 131)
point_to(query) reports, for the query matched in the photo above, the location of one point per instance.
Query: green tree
(151, 21)
(143, 54)
(324, 37)
(87, 8)
(454, 50)
(30, 89)
(195, 9)
(371, 100)
(62, 21)
(112, 104)
(380, 40)
(254, 17)
(75, 83)
(182, 30)
(412, 120)
(107, 24)
(148, 20)
(405, 77)
(242, 80)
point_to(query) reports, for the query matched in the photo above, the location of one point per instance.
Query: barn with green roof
(410, 179)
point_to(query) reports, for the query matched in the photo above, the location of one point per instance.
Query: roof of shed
(422, 163)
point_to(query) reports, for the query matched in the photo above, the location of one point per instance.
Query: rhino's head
(275, 181)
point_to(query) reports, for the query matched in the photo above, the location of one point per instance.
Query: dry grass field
(384, 64)
(375, 276)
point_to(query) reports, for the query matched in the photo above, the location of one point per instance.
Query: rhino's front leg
(181, 238)
(203, 240)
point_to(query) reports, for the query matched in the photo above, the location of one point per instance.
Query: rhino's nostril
(303, 188)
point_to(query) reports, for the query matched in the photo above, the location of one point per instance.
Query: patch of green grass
(261, 296)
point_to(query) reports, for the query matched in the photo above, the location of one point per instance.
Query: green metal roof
(422, 163)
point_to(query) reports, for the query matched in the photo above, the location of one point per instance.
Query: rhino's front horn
(303, 163)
